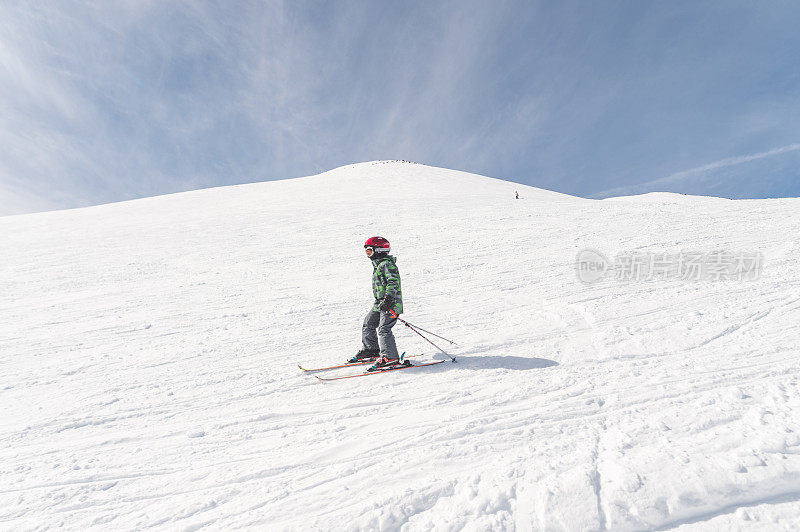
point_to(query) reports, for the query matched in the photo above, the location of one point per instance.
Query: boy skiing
(376, 333)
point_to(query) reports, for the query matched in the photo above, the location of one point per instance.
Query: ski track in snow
(149, 353)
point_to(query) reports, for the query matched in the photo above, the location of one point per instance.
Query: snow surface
(149, 355)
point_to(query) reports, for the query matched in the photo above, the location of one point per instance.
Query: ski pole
(431, 333)
(420, 328)
(404, 322)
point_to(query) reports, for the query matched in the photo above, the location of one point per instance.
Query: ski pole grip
(393, 313)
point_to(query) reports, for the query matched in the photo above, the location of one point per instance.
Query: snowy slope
(149, 351)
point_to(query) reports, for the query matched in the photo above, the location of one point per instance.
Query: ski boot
(384, 363)
(363, 355)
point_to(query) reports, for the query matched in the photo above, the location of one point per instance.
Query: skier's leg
(369, 336)
(386, 338)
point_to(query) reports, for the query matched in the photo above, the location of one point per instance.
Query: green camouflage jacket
(386, 280)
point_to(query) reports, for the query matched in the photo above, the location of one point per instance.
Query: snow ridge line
(779, 498)
(597, 480)
(733, 328)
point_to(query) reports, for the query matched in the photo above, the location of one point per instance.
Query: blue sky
(111, 100)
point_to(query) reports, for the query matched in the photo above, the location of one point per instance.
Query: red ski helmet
(378, 244)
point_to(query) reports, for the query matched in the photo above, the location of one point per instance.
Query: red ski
(378, 372)
(347, 365)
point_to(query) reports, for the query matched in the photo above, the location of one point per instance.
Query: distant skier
(376, 333)
(517, 194)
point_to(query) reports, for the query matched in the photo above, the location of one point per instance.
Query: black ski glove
(386, 304)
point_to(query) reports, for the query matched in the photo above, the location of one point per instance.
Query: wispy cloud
(104, 101)
(672, 182)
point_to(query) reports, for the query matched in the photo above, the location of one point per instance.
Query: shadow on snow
(501, 362)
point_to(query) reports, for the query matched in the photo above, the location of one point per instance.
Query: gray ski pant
(377, 333)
